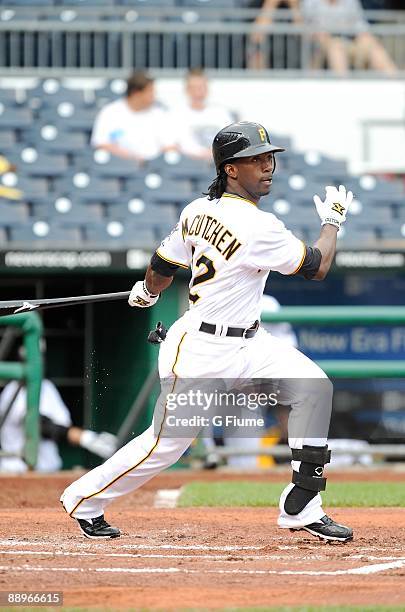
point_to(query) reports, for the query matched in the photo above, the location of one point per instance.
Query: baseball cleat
(98, 528)
(328, 530)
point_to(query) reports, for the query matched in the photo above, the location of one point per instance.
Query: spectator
(134, 127)
(360, 47)
(257, 54)
(197, 122)
(9, 193)
(55, 426)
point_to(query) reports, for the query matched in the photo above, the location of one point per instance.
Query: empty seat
(7, 141)
(162, 190)
(13, 214)
(51, 93)
(119, 235)
(210, 4)
(51, 139)
(138, 211)
(7, 96)
(101, 163)
(14, 118)
(35, 163)
(175, 166)
(85, 2)
(63, 210)
(43, 234)
(85, 188)
(68, 116)
(147, 3)
(31, 188)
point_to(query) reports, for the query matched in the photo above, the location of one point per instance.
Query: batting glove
(103, 444)
(333, 210)
(141, 297)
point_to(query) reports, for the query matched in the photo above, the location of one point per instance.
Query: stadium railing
(115, 40)
(30, 371)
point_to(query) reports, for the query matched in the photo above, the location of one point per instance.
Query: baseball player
(231, 246)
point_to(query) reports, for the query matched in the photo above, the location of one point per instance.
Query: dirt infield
(187, 557)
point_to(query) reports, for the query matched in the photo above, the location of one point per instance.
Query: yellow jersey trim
(176, 263)
(153, 447)
(298, 268)
(236, 197)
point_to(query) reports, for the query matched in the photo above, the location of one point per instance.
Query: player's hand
(141, 297)
(335, 206)
(102, 444)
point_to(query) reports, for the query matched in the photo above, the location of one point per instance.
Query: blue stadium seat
(114, 234)
(32, 188)
(35, 163)
(85, 2)
(7, 141)
(102, 164)
(25, 3)
(8, 97)
(3, 237)
(84, 188)
(371, 187)
(64, 211)
(41, 234)
(145, 213)
(67, 116)
(146, 3)
(13, 214)
(50, 139)
(51, 93)
(14, 118)
(394, 232)
(162, 190)
(209, 3)
(174, 166)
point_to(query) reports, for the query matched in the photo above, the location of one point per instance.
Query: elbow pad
(311, 263)
(163, 267)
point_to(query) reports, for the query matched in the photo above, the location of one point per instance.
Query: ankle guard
(309, 480)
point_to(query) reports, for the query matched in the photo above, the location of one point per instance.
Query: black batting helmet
(241, 139)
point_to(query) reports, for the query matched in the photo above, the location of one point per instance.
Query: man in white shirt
(55, 426)
(197, 121)
(134, 127)
(231, 246)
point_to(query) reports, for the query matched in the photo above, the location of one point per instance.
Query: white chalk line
(81, 543)
(364, 570)
(197, 557)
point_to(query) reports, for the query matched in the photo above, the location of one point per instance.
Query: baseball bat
(19, 306)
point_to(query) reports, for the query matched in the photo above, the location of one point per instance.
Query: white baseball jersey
(231, 247)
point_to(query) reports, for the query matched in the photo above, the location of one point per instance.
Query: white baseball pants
(189, 353)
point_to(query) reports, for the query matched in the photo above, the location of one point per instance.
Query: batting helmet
(241, 139)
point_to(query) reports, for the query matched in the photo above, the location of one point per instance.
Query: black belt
(235, 332)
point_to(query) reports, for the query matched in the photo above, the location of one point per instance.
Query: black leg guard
(309, 480)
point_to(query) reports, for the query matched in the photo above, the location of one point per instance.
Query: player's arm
(332, 212)
(167, 259)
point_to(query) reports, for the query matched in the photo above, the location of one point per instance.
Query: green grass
(257, 494)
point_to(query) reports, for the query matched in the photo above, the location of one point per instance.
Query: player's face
(254, 174)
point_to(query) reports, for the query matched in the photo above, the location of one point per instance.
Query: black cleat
(98, 528)
(326, 529)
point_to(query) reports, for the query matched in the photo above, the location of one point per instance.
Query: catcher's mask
(242, 139)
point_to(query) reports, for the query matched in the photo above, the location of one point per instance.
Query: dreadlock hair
(218, 186)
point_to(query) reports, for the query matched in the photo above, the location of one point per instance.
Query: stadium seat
(43, 234)
(13, 214)
(84, 188)
(25, 3)
(3, 236)
(146, 3)
(14, 118)
(175, 166)
(96, 3)
(51, 93)
(32, 188)
(8, 97)
(137, 210)
(50, 139)
(7, 141)
(209, 3)
(67, 116)
(34, 163)
(160, 189)
(116, 234)
(102, 164)
(63, 210)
